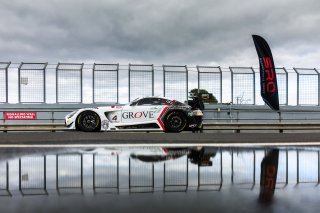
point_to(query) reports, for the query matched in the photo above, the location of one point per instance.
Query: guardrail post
(280, 120)
(52, 120)
(5, 126)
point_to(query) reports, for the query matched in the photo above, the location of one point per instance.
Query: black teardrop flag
(268, 79)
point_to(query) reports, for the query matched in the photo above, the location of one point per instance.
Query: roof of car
(150, 97)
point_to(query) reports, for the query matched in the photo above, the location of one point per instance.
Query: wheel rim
(89, 122)
(175, 122)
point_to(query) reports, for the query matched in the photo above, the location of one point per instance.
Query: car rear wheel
(175, 121)
(88, 121)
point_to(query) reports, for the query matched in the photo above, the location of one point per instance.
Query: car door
(140, 113)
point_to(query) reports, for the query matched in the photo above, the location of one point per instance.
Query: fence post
(254, 86)
(129, 84)
(187, 78)
(57, 88)
(318, 86)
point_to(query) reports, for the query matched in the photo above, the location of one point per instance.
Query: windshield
(133, 102)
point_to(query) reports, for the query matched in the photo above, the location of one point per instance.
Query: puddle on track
(160, 179)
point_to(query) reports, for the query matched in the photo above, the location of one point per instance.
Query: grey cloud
(150, 31)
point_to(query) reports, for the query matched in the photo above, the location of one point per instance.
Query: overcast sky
(203, 32)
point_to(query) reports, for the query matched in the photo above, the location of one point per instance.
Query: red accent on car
(166, 152)
(160, 116)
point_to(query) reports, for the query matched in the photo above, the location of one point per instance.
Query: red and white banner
(20, 115)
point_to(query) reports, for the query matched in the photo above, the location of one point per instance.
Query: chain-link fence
(141, 81)
(4, 81)
(32, 82)
(308, 86)
(282, 80)
(69, 83)
(175, 82)
(105, 83)
(243, 85)
(210, 79)
(114, 83)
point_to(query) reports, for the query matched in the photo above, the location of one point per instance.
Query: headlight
(197, 113)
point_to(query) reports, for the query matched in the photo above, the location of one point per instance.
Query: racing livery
(147, 114)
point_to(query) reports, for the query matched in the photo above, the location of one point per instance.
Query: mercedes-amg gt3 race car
(147, 114)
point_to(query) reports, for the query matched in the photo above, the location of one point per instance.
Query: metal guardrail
(237, 126)
(52, 127)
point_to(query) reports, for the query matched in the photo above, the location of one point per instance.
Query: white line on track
(271, 144)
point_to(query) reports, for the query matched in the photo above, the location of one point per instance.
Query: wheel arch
(174, 110)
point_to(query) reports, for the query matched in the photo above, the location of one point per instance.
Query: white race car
(147, 114)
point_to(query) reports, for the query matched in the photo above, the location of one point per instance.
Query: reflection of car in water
(197, 155)
(148, 114)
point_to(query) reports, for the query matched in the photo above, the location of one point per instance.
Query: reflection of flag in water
(268, 79)
(268, 178)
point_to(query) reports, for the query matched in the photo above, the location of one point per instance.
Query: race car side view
(147, 114)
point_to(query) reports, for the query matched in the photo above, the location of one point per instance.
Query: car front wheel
(88, 122)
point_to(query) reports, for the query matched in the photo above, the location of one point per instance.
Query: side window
(165, 102)
(156, 101)
(144, 101)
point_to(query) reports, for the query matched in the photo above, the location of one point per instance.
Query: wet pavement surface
(160, 179)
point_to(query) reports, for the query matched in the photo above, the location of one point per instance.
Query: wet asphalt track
(122, 138)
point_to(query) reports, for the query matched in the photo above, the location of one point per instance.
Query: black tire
(175, 121)
(88, 121)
